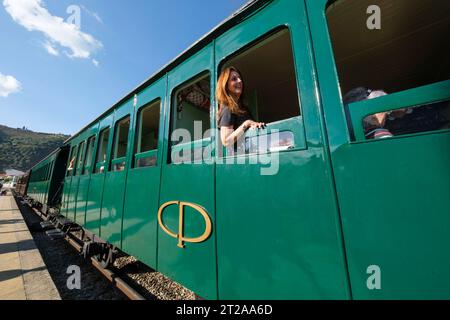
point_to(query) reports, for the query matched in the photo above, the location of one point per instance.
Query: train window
(190, 121)
(403, 53)
(49, 173)
(120, 144)
(79, 167)
(147, 136)
(268, 73)
(101, 153)
(89, 155)
(72, 159)
(422, 118)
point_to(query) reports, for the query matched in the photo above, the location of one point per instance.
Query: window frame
(295, 124)
(82, 147)
(98, 164)
(137, 155)
(192, 145)
(73, 150)
(114, 159)
(85, 170)
(415, 97)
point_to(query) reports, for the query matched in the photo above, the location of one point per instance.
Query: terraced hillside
(20, 149)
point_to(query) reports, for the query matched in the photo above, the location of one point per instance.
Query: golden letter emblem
(180, 234)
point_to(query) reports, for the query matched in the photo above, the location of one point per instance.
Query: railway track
(119, 275)
(113, 277)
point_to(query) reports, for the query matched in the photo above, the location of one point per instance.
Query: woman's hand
(253, 125)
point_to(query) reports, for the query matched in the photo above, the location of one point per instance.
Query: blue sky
(56, 78)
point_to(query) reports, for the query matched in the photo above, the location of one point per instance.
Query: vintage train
(311, 208)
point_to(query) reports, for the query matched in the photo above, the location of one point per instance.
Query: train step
(47, 225)
(64, 222)
(55, 234)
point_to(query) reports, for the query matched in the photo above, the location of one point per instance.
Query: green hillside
(21, 149)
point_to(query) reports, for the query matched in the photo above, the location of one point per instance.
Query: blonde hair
(223, 96)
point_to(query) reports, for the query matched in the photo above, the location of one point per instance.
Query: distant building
(14, 173)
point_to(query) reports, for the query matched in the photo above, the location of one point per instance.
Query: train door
(97, 181)
(68, 179)
(85, 176)
(56, 183)
(116, 176)
(49, 176)
(139, 231)
(186, 207)
(73, 194)
(278, 234)
(393, 192)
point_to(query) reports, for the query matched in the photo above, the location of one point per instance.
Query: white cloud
(8, 85)
(32, 15)
(93, 14)
(50, 48)
(95, 62)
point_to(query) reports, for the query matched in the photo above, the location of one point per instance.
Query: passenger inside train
(233, 116)
(269, 94)
(374, 125)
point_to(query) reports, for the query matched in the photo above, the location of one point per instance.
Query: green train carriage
(44, 185)
(338, 205)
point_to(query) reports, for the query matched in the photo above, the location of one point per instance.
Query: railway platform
(23, 274)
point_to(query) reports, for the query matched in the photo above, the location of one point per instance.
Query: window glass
(89, 155)
(147, 135)
(102, 149)
(190, 118)
(120, 143)
(80, 159)
(423, 118)
(268, 74)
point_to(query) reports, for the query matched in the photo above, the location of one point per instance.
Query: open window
(190, 121)
(270, 93)
(89, 155)
(79, 162)
(72, 161)
(120, 144)
(100, 163)
(147, 131)
(408, 55)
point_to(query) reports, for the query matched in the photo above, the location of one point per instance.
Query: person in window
(233, 117)
(70, 168)
(102, 167)
(373, 124)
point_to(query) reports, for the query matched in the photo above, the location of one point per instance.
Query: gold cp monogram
(180, 234)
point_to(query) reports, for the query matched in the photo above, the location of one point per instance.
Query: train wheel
(106, 257)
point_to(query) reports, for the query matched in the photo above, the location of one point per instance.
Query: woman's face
(234, 84)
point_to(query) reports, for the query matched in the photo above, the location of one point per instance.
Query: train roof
(250, 7)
